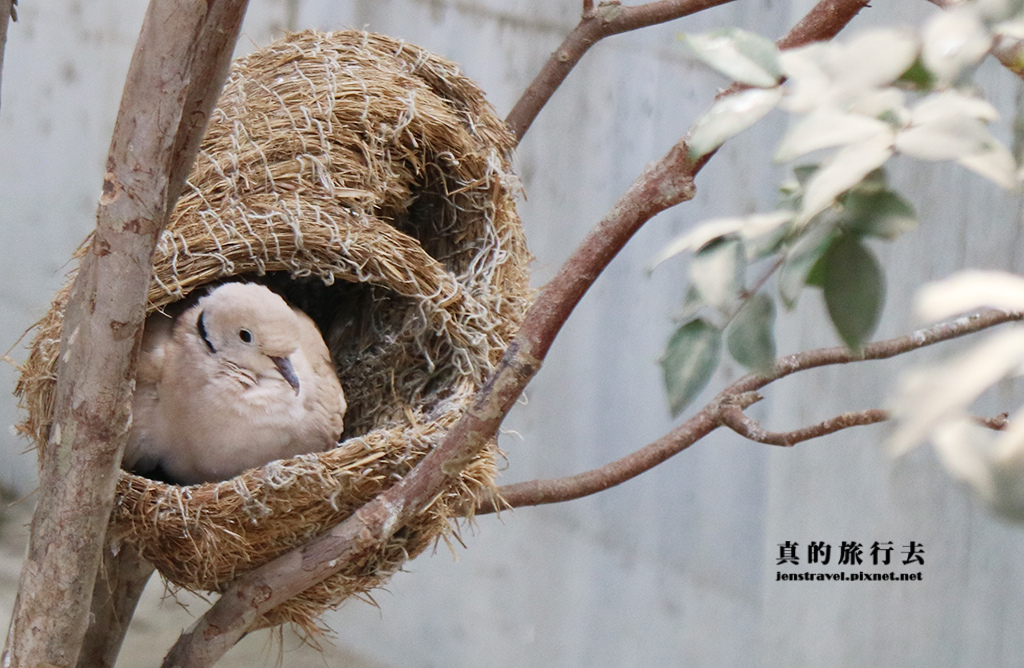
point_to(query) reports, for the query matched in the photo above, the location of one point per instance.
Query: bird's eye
(245, 335)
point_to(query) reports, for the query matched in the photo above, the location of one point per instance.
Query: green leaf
(690, 360)
(803, 173)
(801, 258)
(854, 290)
(692, 304)
(730, 116)
(718, 270)
(816, 276)
(738, 54)
(918, 76)
(751, 338)
(882, 214)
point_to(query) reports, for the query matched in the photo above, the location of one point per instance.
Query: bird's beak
(284, 365)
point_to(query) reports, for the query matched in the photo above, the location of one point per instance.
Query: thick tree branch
(103, 327)
(124, 575)
(726, 410)
(607, 19)
(120, 583)
(663, 184)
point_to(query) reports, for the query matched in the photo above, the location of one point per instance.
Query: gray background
(676, 567)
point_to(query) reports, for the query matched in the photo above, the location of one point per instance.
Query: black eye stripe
(201, 328)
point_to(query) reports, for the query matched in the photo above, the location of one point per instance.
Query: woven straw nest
(368, 181)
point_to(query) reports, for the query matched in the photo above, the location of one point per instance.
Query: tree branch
(103, 326)
(726, 409)
(734, 418)
(7, 14)
(611, 18)
(662, 184)
(122, 578)
(607, 19)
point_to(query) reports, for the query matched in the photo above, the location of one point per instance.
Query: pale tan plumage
(238, 380)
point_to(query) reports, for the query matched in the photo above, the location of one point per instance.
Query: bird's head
(247, 325)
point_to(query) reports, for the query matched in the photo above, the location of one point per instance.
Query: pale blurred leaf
(874, 58)
(968, 291)
(887, 103)
(837, 75)
(762, 233)
(809, 85)
(730, 116)
(717, 271)
(698, 237)
(738, 54)
(1009, 30)
(965, 449)
(854, 290)
(751, 338)
(825, 128)
(952, 103)
(955, 41)
(950, 138)
(990, 462)
(690, 360)
(937, 393)
(996, 164)
(998, 10)
(843, 170)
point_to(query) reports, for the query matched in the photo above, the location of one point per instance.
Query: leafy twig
(726, 409)
(607, 19)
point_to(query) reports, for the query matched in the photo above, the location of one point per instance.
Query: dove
(239, 379)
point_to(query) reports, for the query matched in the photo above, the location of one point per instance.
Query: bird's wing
(141, 451)
(328, 398)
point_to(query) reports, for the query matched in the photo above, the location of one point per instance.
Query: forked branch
(726, 410)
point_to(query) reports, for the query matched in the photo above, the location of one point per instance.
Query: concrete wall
(676, 567)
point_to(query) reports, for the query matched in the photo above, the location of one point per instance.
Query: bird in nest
(239, 379)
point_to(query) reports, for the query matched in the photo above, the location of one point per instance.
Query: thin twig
(879, 350)
(735, 419)
(607, 19)
(726, 410)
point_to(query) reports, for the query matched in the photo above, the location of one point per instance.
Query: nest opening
(368, 182)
